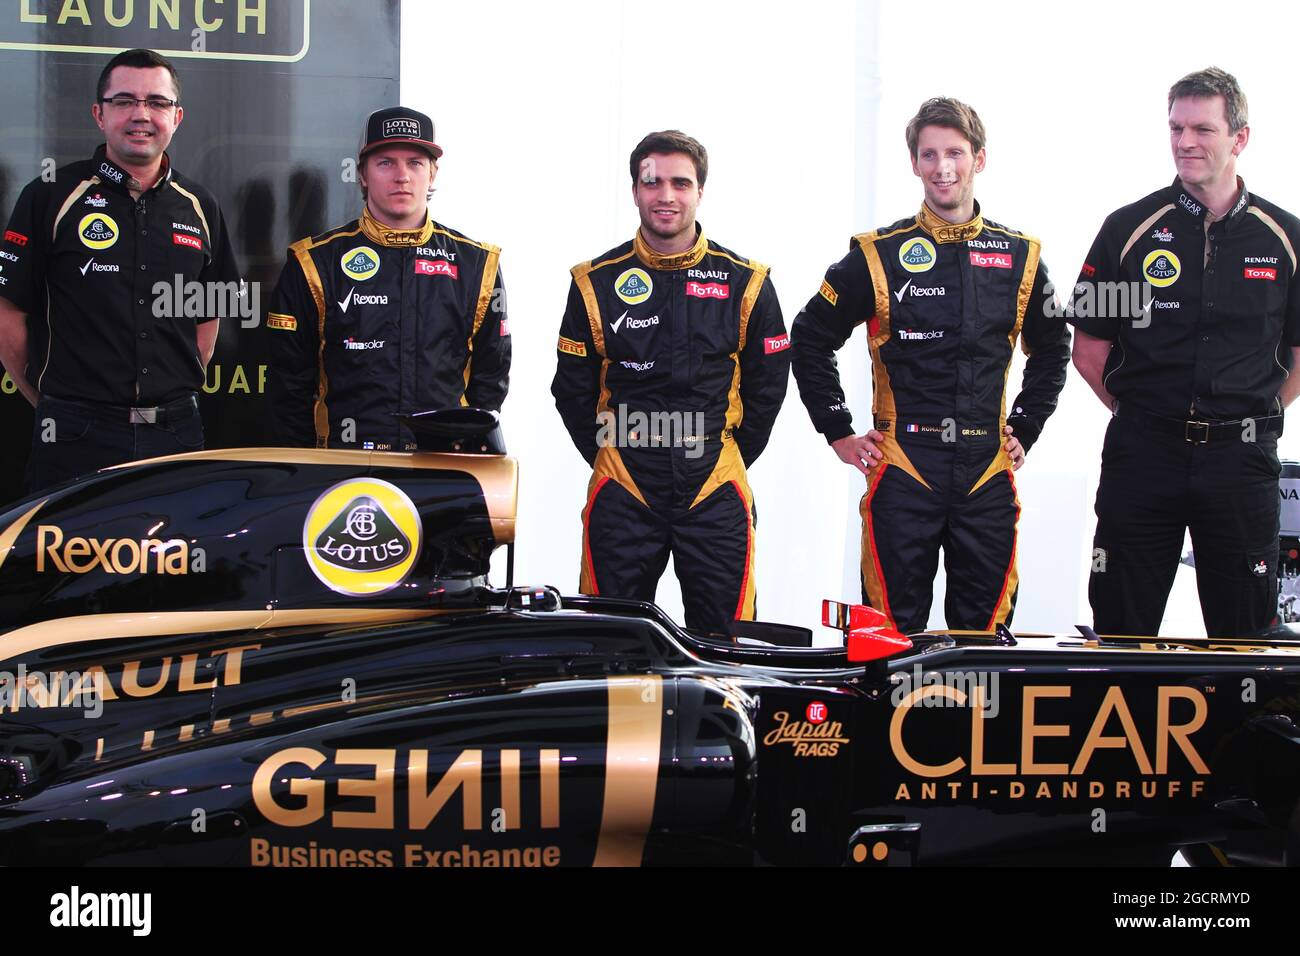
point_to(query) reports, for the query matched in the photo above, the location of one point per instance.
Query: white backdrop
(802, 109)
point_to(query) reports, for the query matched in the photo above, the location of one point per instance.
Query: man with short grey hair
(1196, 373)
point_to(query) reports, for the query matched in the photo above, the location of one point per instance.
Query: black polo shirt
(83, 258)
(1211, 335)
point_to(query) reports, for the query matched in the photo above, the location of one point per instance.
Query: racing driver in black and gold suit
(673, 363)
(945, 296)
(389, 314)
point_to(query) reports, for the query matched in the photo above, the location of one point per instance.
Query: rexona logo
(917, 255)
(633, 286)
(79, 555)
(98, 230)
(1161, 268)
(360, 263)
(809, 738)
(708, 290)
(362, 537)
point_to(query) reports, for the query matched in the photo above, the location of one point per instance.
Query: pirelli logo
(276, 321)
(829, 294)
(572, 348)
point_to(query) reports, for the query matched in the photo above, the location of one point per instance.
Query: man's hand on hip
(861, 451)
(1013, 448)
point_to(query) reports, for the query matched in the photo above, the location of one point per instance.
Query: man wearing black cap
(389, 314)
(112, 365)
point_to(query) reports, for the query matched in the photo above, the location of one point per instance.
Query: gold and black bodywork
(291, 659)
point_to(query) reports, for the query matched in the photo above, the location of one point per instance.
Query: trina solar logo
(1161, 267)
(98, 230)
(360, 263)
(917, 255)
(362, 537)
(634, 286)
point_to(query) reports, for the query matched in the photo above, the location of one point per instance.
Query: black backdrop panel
(275, 92)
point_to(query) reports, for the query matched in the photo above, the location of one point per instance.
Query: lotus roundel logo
(634, 286)
(1161, 267)
(362, 537)
(98, 231)
(360, 263)
(917, 255)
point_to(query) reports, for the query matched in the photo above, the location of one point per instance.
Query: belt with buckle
(178, 410)
(1200, 432)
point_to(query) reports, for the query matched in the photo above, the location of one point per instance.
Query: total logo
(436, 267)
(991, 260)
(97, 200)
(633, 323)
(1161, 268)
(353, 299)
(917, 255)
(360, 263)
(362, 537)
(911, 335)
(98, 230)
(352, 345)
(708, 290)
(634, 286)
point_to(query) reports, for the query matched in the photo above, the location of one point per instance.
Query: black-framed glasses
(156, 104)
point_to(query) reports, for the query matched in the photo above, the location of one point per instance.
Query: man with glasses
(113, 370)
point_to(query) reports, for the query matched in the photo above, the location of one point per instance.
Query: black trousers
(71, 439)
(626, 547)
(904, 524)
(1155, 486)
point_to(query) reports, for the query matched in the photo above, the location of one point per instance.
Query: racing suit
(670, 374)
(368, 322)
(944, 306)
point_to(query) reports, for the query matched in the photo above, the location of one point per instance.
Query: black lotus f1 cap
(397, 124)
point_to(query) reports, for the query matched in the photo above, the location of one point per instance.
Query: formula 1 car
(290, 658)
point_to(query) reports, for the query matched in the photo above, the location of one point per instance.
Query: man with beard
(944, 295)
(113, 377)
(672, 367)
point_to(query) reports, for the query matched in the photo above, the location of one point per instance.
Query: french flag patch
(913, 428)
